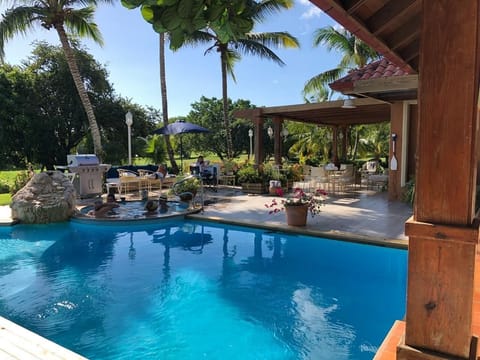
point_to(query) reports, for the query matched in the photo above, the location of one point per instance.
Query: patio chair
(347, 178)
(318, 177)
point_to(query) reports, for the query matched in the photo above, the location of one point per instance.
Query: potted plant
(187, 188)
(251, 179)
(298, 205)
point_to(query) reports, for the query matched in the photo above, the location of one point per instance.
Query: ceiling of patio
(367, 111)
(391, 27)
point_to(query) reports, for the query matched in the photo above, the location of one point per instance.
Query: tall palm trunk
(82, 92)
(163, 90)
(226, 119)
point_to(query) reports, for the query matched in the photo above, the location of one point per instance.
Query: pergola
(438, 40)
(330, 113)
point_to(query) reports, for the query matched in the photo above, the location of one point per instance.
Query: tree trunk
(226, 119)
(163, 89)
(82, 92)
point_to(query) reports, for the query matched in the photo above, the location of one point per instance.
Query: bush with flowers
(314, 201)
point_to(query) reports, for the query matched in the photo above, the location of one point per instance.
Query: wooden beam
(404, 35)
(385, 84)
(443, 233)
(359, 29)
(410, 52)
(352, 6)
(448, 113)
(388, 13)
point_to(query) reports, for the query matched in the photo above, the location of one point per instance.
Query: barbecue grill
(90, 174)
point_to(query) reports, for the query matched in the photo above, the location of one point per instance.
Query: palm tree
(356, 54)
(163, 90)
(59, 15)
(249, 43)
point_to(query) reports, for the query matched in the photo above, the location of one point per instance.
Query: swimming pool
(190, 290)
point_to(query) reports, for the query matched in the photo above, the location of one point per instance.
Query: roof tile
(377, 69)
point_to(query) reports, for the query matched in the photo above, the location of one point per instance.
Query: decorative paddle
(393, 161)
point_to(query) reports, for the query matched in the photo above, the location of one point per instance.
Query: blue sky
(130, 54)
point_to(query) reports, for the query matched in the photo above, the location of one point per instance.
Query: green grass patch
(5, 199)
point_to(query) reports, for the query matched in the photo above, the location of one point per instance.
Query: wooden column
(277, 139)
(344, 142)
(396, 127)
(258, 138)
(442, 234)
(335, 145)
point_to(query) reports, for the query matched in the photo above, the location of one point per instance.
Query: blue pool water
(191, 290)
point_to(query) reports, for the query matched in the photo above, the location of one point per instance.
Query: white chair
(319, 178)
(347, 178)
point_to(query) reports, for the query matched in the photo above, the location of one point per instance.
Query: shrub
(4, 187)
(248, 174)
(20, 181)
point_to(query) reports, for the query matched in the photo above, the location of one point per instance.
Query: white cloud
(311, 10)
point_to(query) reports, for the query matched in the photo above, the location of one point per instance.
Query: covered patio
(438, 40)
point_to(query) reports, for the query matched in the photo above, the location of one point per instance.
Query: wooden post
(442, 234)
(335, 145)
(277, 140)
(258, 137)
(394, 176)
(344, 141)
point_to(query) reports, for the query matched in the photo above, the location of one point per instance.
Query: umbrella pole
(181, 155)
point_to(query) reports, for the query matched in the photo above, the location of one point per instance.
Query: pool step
(19, 343)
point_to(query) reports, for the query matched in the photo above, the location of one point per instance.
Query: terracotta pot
(296, 215)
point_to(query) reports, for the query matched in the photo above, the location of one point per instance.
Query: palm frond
(267, 8)
(316, 83)
(333, 39)
(16, 20)
(231, 58)
(199, 37)
(79, 22)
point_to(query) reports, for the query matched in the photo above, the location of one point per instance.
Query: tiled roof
(377, 69)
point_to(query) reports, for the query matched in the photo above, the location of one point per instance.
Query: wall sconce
(270, 132)
(284, 133)
(348, 104)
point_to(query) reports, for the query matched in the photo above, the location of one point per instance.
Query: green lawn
(5, 199)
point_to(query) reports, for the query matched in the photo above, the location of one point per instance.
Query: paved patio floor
(364, 214)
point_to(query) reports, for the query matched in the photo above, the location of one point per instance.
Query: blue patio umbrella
(179, 128)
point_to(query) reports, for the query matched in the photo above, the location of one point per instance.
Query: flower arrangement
(314, 201)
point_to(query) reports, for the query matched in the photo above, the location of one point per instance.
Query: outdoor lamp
(270, 132)
(129, 122)
(284, 133)
(250, 135)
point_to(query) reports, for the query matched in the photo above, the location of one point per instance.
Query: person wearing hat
(162, 202)
(151, 207)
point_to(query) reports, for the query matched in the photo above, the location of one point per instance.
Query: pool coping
(333, 234)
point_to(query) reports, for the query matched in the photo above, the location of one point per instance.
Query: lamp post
(129, 122)
(250, 135)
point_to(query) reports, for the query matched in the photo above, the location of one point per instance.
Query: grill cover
(82, 160)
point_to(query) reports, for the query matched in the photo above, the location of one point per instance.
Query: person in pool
(151, 207)
(162, 203)
(101, 209)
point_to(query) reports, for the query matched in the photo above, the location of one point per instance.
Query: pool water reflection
(187, 290)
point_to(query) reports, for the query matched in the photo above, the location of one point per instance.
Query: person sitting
(102, 209)
(162, 203)
(161, 172)
(200, 167)
(151, 207)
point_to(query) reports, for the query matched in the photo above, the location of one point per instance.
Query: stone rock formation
(48, 197)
